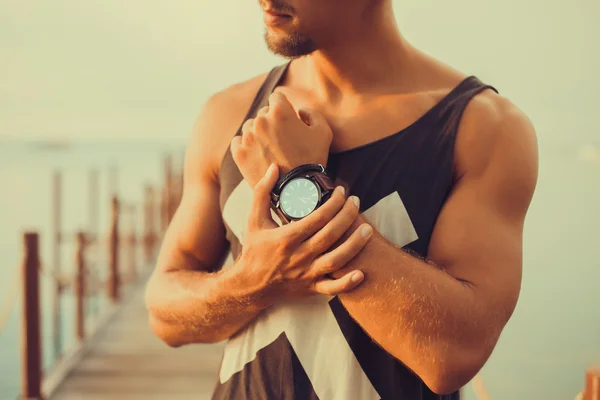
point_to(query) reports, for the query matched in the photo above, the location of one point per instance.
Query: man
(440, 165)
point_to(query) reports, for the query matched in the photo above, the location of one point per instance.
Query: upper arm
(479, 233)
(195, 238)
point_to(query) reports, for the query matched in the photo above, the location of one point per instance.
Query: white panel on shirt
(309, 324)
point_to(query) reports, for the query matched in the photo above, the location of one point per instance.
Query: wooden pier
(125, 361)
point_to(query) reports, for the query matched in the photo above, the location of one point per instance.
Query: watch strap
(326, 184)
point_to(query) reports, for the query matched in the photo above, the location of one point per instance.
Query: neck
(369, 56)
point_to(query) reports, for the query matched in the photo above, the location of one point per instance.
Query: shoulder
(497, 144)
(218, 120)
(491, 125)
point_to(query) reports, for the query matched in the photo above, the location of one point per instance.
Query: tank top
(312, 348)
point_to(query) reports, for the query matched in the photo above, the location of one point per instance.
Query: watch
(300, 192)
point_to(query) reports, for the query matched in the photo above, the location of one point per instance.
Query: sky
(142, 69)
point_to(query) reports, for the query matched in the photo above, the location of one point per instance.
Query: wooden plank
(128, 362)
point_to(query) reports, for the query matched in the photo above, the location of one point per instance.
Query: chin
(289, 45)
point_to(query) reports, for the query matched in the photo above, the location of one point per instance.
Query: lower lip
(275, 20)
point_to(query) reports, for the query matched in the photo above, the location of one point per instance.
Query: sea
(544, 350)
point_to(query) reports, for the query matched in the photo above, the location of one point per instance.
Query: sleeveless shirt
(312, 348)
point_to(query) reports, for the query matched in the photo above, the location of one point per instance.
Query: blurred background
(110, 88)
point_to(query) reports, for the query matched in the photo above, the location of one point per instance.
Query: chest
(357, 122)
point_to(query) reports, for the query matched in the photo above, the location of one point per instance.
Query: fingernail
(341, 190)
(356, 201)
(271, 168)
(366, 231)
(357, 277)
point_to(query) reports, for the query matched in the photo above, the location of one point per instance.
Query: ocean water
(543, 352)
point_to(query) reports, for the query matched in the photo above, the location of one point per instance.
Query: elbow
(456, 371)
(173, 334)
(165, 321)
(444, 385)
(164, 332)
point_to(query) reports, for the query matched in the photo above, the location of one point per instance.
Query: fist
(280, 135)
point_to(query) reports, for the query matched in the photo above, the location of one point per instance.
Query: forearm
(417, 312)
(189, 306)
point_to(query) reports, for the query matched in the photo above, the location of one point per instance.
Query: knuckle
(317, 245)
(236, 140)
(247, 126)
(328, 266)
(324, 289)
(339, 200)
(261, 123)
(248, 136)
(286, 243)
(349, 216)
(321, 219)
(277, 111)
(240, 153)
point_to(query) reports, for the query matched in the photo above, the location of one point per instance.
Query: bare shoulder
(217, 122)
(492, 124)
(497, 141)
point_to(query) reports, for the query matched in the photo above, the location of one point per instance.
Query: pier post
(113, 272)
(169, 195)
(132, 244)
(149, 224)
(56, 263)
(80, 287)
(592, 383)
(31, 376)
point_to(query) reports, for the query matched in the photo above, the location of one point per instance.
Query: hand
(294, 260)
(278, 135)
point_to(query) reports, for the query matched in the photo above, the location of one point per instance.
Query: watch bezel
(308, 177)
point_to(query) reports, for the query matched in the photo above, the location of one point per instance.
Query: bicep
(195, 238)
(479, 234)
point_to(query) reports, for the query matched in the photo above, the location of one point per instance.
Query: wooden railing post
(592, 383)
(113, 272)
(80, 286)
(31, 377)
(149, 224)
(169, 198)
(132, 244)
(56, 260)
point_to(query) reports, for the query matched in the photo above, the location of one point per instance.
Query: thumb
(261, 204)
(311, 117)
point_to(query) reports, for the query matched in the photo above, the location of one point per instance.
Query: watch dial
(299, 197)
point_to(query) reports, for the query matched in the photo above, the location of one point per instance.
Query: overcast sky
(114, 68)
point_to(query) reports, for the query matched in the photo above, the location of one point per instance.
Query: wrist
(247, 287)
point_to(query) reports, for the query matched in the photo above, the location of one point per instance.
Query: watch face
(299, 198)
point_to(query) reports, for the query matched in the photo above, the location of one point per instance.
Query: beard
(292, 46)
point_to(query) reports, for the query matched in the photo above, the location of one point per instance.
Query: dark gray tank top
(313, 349)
